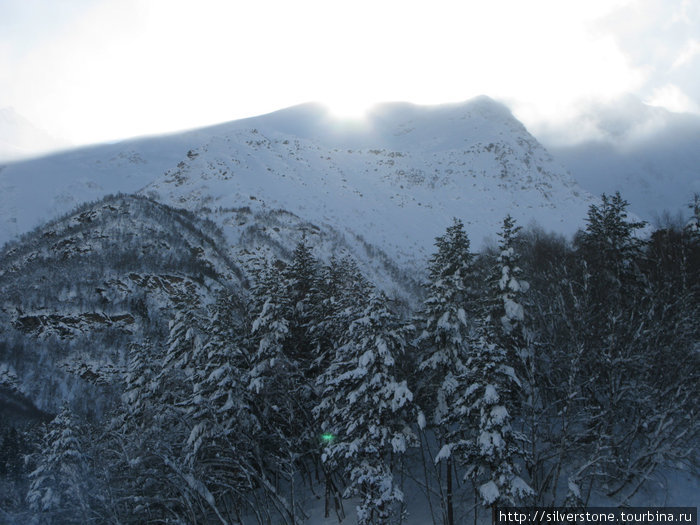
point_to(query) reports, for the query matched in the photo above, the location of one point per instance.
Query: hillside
(378, 190)
(76, 292)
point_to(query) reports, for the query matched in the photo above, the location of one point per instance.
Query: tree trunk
(450, 510)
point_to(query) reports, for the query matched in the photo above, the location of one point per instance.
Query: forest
(540, 371)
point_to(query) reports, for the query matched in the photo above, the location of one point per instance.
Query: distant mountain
(649, 154)
(20, 138)
(395, 178)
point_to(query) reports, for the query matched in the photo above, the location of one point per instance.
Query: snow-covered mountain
(20, 138)
(395, 178)
(379, 190)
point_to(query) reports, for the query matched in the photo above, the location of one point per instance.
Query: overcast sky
(95, 70)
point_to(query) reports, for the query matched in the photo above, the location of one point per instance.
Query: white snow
(519, 487)
(489, 492)
(499, 414)
(401, 395)
(445, 453)
(574, 488)
(490, 394)
(398, 443)
(462, 316)
(513, 310)
(489, 442)
(366, 359)
(421, 420)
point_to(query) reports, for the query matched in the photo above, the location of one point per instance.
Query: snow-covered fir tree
(492, 458)
(282, 360)
(340, 293)
(445, 348)
(219, 452)
(365, 410)
(301, 283)
(610, 246)
(446, 327)
(136, 475)
(152, 429)
(59, 489)
(269, 330)
(504, 308)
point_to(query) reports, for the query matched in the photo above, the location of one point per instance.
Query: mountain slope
(396, 178)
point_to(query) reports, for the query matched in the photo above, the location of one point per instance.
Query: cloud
(688, 55)
(114, 68)
(661, 38)
(672, 97)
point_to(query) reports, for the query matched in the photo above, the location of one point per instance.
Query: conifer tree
(219, 446)
(282, 361)
(610, 248)
(136, 475)
(301, 286)
(341, 292)
(447, 330)
(270, 329)
(446, 344)
(365, 410)
(504, 307)
(59, 487)
(492, 456)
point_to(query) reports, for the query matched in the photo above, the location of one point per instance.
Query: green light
(327, 437)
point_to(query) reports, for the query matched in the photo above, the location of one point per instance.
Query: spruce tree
(219, 448)
(445, 347)
(504, 308)
(59, 488)
(136, 474)
(282, 364)
(340, 293)
(494, 393)
(493, 455)
(301, 284)
(610, 248)
(269, 330)
(365, 410)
